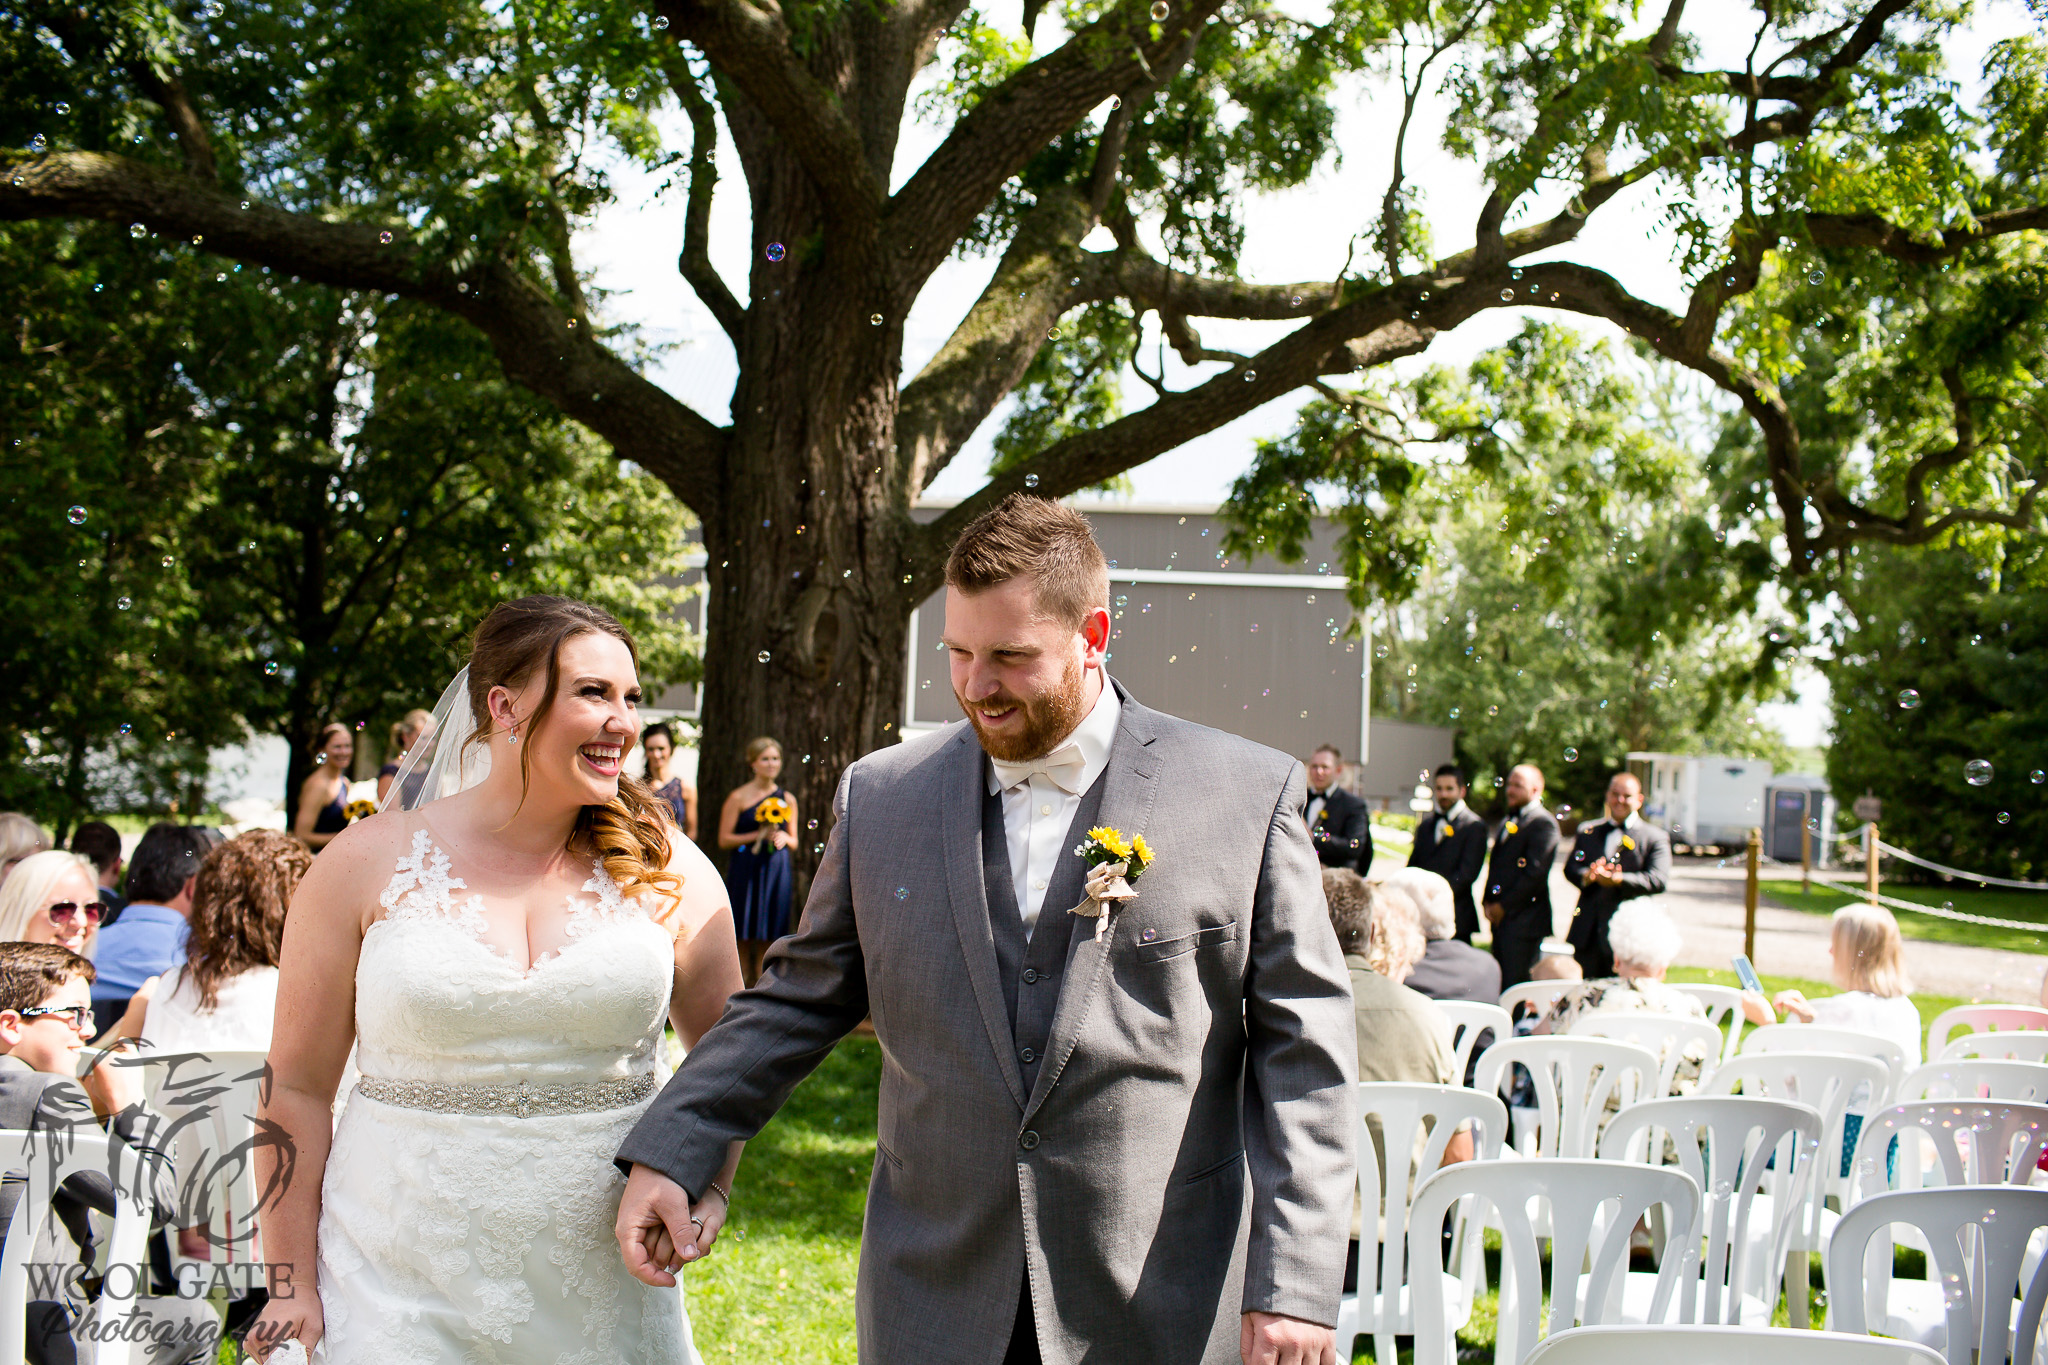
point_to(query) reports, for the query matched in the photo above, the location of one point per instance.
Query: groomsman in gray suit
(1125, 1138)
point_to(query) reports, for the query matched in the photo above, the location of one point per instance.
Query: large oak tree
(446, 152)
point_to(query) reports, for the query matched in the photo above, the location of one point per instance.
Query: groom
(1136, 1148)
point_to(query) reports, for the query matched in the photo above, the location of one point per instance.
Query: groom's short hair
(1035, 537)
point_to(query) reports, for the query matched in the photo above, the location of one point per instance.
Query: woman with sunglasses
(52, 897)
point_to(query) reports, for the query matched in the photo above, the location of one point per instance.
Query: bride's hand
(283, 1319)
(659, 1231)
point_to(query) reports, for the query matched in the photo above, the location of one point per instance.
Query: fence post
(1870, 860)
(1756, 848)
(1806, 857)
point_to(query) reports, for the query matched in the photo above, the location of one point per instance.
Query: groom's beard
(1048, 718)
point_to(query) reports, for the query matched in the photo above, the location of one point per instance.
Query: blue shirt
(148, 940)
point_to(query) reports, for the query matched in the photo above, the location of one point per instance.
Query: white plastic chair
(49, 1158)
(2018, 1045)
(1820, 1038)
(1751, 1345)
(211, 1100)
(1724, 1010)
(1981, 1019)
(1383, 1304)
(1976, 1142)
(1537, 995)
(1828, 1081)
(1592, 1207)
(1666, 1035)
(1978, 1235)
(1574, 1079)
(1471, 1021)
(1751, 1159)
(1976, 1078)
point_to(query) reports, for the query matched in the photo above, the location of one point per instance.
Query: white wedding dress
(466, 1217)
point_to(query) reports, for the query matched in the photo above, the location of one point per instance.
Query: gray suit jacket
(1185, 1153)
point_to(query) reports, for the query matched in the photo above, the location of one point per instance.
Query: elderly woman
(19, 838)
(1448, 969)
(1402, 1036)
(1645, 942)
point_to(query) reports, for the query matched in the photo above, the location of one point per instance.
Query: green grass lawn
(2031, 906)
(1928, 1005)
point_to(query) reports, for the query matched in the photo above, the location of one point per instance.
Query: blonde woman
(416, 728)
(52, 897)
(1870, 971)
(19, 837)
(323, 796)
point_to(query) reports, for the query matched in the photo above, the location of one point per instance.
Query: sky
(1300, 234)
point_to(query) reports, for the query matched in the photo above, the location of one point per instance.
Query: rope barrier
(1855, 837)
(1855, 892)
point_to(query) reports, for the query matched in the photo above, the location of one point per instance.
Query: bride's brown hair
(629, 833)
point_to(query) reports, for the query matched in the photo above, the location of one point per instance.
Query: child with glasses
(45, 1018)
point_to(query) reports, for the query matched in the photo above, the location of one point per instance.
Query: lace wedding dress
(469, 1198)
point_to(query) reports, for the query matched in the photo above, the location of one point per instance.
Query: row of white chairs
(1728, 1215)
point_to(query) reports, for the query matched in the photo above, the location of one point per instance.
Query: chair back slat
(1666, 1035)
(1574, 1079)
(1633, 1345)
(1981, 1019)
(1470, 1022)
(1976, 1078)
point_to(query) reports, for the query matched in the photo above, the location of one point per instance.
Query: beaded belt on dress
(521, 1099)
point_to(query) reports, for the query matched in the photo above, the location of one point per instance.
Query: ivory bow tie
(1063, 765)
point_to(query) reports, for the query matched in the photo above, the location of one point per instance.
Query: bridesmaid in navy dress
(759, 879)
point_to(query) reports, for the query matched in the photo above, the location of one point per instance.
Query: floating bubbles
(902, 893)
(660, 21)
(1816, 275)
(1507, 295)
(385, 237)
(270, 669)
(1977, 772)
(1454, 713)
(1571, 755)
(170, 560)
(1909, 700)
(124, 603)
(76, 515)
(2005, 817)
(1031, 481)
(1728, 281)
(1493, 710)
(198, 237)
(1250, 375)
(776, 251)
(1116, 101)
(762, 657)
(1515, 274)
(126, 728)
(1160, 9)
(62, 108)
(39, 144)
(2037, 777)
(874, 319)
(1379, 652)
(137, 231)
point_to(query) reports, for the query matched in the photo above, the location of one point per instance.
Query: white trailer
(1703, 799)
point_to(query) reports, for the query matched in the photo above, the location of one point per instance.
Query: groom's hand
(1270, 1339)
(659, 1231)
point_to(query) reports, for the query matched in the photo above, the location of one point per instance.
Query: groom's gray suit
(1155, 1129)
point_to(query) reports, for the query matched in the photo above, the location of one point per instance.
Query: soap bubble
(1977, 772)
(2037, 777)
(1031, 481)
(1160, 9)
(39, 144)
(874, 319)
(384, 237)
(661, 21)
(124, 603)
(1816, 275)
(762, 657)
(1506, 295)
(776, 251)
(2005, 817)
(76, 516)
(1909, 700)
(1571, 755)
(137, 231)
(1250, 375)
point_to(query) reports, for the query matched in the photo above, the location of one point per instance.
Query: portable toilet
(1798, 802)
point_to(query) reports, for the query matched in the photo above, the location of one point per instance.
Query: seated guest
(45, 1013)
(1450, 969)
(1645, 943)
(19, 837)
(222, 997)
(1401, 1035)
(51, 899)
(1869, 971)
(99, 843)
(150, 939)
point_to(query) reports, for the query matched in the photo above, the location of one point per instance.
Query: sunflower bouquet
(772, 814)
(1114, 861)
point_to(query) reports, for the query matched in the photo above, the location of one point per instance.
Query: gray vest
(1031, 973)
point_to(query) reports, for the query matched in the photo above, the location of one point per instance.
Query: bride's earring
(512, 738)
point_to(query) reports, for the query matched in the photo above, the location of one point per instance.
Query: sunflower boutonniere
(1114, 861)
(1628, 843)
(1512, 828)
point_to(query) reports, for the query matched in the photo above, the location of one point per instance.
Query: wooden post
(1806, 856)
(1756, 848)
(1870, 860)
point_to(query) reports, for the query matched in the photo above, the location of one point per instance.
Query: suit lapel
(968, 895)
(1129, 786)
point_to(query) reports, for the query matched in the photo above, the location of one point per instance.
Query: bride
(502, 958)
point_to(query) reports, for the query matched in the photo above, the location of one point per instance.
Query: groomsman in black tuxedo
(1452, 844)
(1614, 860)
(1337, 822)
(1518, 876)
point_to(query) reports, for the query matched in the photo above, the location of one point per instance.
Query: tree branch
(694, 264)
(1878, 234)
(1014, 121)
(538, 346)
(750, 46)
(162, 89)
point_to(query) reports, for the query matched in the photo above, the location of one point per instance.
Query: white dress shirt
(1038, 809)
(1315, 807)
